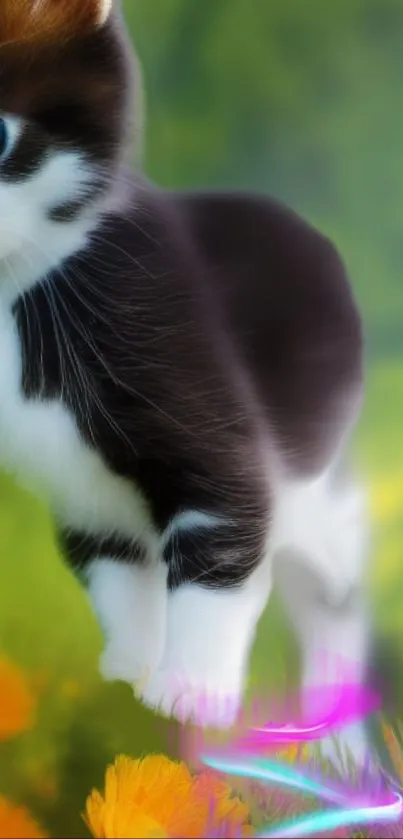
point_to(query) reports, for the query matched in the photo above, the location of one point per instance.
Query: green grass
(46, 625)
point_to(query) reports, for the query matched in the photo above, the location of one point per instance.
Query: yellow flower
(17, 702)
(16, 823)
(157, 798)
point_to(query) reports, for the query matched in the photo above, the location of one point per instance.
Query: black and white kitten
(179, 374)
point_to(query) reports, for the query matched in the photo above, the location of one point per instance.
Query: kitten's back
(287, 304)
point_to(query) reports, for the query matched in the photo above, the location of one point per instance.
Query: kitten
(179, 376)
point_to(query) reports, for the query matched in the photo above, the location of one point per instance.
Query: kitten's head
(65, 102)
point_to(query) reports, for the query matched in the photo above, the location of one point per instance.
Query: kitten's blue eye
(3, 137)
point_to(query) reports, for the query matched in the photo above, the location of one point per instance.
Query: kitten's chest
(40, 444)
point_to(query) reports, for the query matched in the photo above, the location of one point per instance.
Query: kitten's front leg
(130, 602)
(211, 626)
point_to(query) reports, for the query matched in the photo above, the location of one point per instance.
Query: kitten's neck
(22, 270)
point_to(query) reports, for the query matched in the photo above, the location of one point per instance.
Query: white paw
(130, 602)
(209, 635)
(202, 704)
(118, 663)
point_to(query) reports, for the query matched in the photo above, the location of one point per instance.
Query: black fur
(192, 332)
(82, 548)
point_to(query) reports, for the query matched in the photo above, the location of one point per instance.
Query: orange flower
(16, 823)
(17, 702)
(156, 797)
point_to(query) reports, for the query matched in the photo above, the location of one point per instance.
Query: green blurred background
(302, 100)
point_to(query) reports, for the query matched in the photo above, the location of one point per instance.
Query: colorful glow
(243, 758)
(348, 704)
(272, 772)
(332, 819)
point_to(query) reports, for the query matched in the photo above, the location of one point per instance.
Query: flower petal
(17, 702)
(17, 823)
(159, 797)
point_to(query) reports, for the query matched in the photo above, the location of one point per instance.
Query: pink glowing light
(353, 703)
(244, 758)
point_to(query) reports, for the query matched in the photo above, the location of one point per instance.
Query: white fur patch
(327, 528)
(130, 602)
(30, 243)
(190, 521)
(209, 638)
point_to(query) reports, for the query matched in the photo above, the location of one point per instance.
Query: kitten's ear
(50, 20)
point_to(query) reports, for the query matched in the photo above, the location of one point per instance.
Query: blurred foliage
(301, 100)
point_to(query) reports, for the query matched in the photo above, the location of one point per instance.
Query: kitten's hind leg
(334, 638)
(130, 602)
(319, 568)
